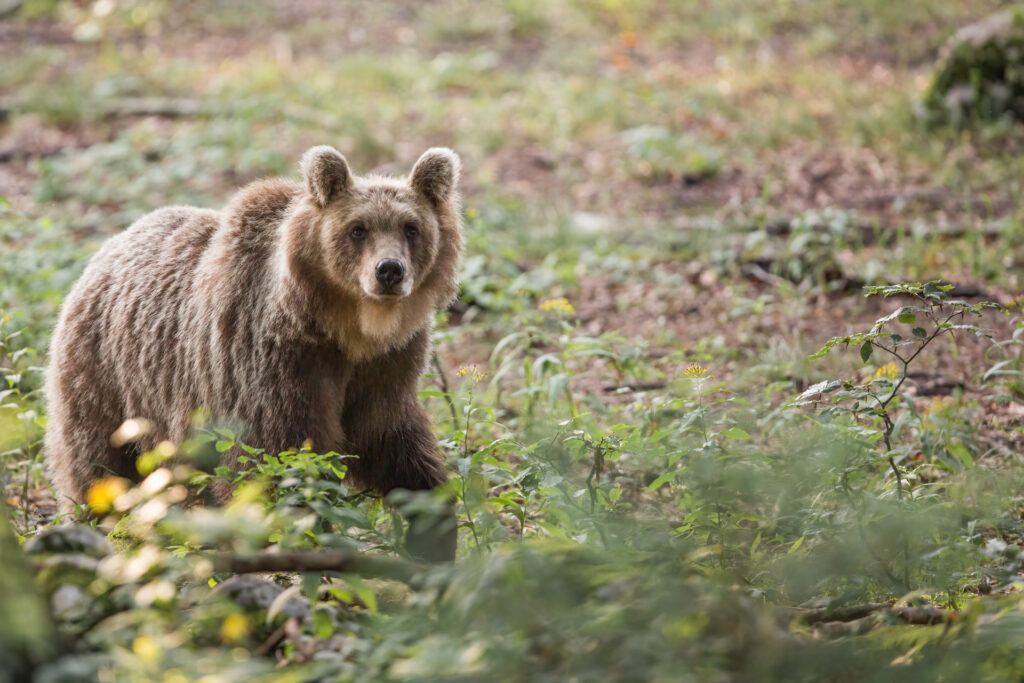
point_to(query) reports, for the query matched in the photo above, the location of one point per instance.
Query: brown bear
(302, 311)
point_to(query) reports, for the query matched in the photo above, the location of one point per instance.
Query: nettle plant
(547, 352)
(932, 314)
(21, 425)
(529, 455)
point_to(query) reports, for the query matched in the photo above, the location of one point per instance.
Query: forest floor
(716, 187)
(705, 183)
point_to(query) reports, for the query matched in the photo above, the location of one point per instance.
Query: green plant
(941, 315)
(21, 425)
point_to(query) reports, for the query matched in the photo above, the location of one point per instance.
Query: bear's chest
(308, 399)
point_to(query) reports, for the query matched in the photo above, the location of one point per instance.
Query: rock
(74, 668)
(67, 569)
(256, 593)
(70, 603)
(980, 73)
(69, 539)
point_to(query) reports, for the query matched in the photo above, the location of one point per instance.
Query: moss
(980, 76)
(122, 538)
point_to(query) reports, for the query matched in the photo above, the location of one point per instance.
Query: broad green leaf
(662, 480)
(735, 433)
(865, 351)
(323, 626)
(961, 453)
(364, 593)
(796, 546)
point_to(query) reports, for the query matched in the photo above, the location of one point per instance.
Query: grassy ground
(703, 182)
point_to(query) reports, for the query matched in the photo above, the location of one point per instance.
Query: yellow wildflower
(104, 492)
(471, 213)
(234, 628)
(471, 372)
(559, 305)
(695, 370)
(146, 649)
(888, 371)
(937, 404)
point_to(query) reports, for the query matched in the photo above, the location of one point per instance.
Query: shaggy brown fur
(269, 313)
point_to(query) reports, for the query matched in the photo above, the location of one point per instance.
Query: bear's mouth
(387, 295)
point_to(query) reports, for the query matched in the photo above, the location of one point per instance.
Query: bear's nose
(390, 272)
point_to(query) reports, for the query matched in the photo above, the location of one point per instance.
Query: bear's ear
(436, 173)
(326, 172)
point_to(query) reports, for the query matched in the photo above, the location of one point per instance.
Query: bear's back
(143, 311)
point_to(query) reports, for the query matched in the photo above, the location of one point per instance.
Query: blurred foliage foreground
(846, 534)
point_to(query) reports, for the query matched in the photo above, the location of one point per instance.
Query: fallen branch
(870, 233)
(320, 561)
(760, 269)
(854, 620)
(915, 615)
(845, 613)
(634, 386)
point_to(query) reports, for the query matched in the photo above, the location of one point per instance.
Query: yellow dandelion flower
(888, 371)
(558, 305)
(104, 492)
(234, 628)
(472, 213)
(694, 370)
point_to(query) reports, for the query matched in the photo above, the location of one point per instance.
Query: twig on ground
(273, 641)
(634, 386)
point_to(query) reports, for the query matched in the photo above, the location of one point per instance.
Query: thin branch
(443, 379)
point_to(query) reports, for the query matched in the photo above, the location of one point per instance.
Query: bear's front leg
(397, 450)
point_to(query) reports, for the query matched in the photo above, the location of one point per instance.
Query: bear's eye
(357, 232)
(411, 230)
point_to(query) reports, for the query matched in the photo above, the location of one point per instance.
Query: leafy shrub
(981, 74)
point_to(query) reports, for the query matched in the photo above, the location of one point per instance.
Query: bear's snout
(390, 273)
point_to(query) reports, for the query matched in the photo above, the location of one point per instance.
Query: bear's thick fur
(302, 311)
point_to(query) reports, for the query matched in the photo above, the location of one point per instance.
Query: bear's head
(388, 247)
